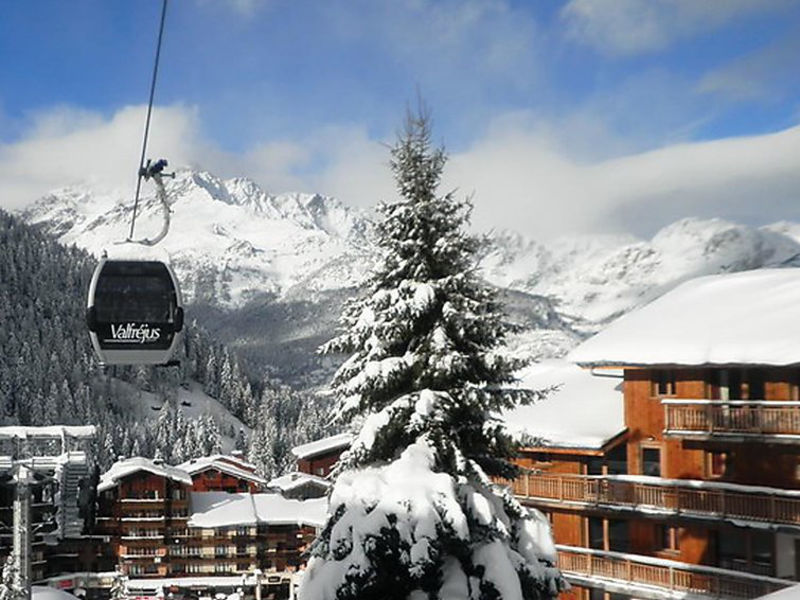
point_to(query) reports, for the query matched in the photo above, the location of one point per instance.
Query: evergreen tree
(119, 587)
(10, 586)
(413, 513)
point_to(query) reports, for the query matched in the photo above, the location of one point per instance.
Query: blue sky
(586, 115)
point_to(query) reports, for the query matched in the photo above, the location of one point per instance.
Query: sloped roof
(295, 479)
(227, 464)
(334, 442)
(747, 318)
(129, 466)
(220, 509)
(586, 411)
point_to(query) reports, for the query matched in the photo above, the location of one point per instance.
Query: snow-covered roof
(129, 466)
(227, 464)
(274, 509)
(48, 431)
(586, 411)
(334, 442)
(747, 318)
(221, 509)
(41, 592)
(295, 479)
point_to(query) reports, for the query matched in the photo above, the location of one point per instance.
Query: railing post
(671, 578)
(528, 485)
(561, 487)
(772, 508)
(710, 417)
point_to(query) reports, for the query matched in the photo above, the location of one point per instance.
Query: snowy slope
(229, 240)
(193, 402)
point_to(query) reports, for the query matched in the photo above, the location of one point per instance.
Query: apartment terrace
(731, 419)
(688, 498)
(655, 578)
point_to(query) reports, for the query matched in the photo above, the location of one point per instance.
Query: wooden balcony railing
(583, 566)
(689, 498)
(747, 418)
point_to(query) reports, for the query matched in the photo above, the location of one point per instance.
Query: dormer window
(662, 382)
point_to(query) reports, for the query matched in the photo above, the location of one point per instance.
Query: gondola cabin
(134, 312)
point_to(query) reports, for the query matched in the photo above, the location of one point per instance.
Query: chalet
(300, 486)
(143, 508)
(696, 490)
(221, 473)
(318, 457)
(164, 532)
(234, 534)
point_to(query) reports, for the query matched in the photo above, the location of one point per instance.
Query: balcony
(650, 577)
(683, 497)
(733, 420)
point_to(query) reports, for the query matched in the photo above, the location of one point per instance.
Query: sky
(558, 117)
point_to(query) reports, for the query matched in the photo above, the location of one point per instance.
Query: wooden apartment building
(172, 522)
(688, 482)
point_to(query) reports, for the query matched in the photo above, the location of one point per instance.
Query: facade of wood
(222, 473)
(157, 526)
(144, 516)
(700, 492)
(318, 457)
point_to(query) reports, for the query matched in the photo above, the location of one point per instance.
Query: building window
(662, 383)
(651, 462)
(667, 537)
(718, 463)
(596, 538)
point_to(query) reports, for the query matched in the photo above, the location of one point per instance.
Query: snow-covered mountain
(229, 241)
(594, 279)
(286, 263)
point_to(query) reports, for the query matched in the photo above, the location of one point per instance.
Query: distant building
(300, 486)
(160, 527)
(675, 467)
(318, 457)
(221, 473)
(143, 508)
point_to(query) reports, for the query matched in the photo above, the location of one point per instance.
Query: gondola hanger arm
(155, 171)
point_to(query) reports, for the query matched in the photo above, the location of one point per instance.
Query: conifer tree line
(49, 375)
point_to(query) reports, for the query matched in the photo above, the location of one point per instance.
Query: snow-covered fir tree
(119, 587)
(413, 513)
(10, 586)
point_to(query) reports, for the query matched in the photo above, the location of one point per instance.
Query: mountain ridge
(238, 249)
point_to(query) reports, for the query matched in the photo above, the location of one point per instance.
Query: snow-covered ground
(194, 403)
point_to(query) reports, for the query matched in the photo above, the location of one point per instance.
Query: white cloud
(65, 146)
(624, 27)
(522, 175)
(521, 182)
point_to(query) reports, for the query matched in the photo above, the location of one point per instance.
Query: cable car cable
(141, 171)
